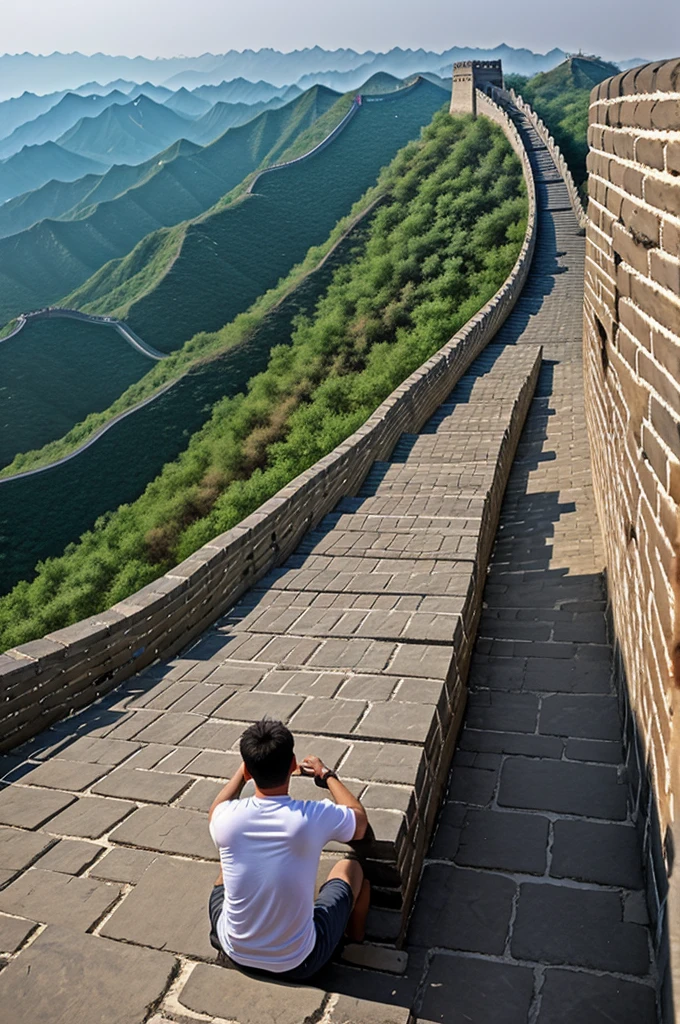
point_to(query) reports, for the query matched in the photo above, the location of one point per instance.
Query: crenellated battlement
(496, 65)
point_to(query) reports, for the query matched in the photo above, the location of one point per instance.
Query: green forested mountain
(72, 199)
(41, 265)
(222, 116)
(34, 166)
(48, 127)
(201, 274)
(58, 199)
(126, 134)
(560, 98)
(379, 83)
(441, 244)
(50, 200)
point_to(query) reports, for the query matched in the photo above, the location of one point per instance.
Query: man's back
(269, 849)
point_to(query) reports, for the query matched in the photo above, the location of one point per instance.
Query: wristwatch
(322, 780)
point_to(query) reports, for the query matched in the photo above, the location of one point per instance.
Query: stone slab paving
(103, 818)
(530, 905)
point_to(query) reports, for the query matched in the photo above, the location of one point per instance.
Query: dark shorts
(332, 909)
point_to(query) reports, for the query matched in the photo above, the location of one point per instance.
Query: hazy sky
(612, 28)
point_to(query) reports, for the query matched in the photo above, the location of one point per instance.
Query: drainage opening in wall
(603, 343)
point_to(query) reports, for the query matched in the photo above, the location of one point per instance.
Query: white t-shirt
(270, 849)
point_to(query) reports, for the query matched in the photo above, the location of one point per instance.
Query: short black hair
(267, 751)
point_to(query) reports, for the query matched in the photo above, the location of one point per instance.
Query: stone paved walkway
(530, 906)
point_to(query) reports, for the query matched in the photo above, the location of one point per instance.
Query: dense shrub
(438, 248)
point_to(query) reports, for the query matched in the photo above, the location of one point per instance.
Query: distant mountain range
(124, 132)
(29, 120)
(36, 165)
(103, 218)
(68, 71)
(127, 134)
(54, 122)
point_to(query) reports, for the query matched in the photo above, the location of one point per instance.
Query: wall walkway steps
(389, 613)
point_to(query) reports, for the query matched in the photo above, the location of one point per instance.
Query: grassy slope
(54, 373)
(41, 265)
(233, 254)
(200, 349)
(438, 249)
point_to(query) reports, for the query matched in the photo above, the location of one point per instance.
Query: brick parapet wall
(632, 381)
(46, 679)
(555, 152)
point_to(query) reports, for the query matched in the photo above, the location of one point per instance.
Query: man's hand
(312, 766)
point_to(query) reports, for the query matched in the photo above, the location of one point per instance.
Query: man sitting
(262, 909)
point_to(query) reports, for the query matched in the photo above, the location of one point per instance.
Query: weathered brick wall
(632, 380)
(44, 680)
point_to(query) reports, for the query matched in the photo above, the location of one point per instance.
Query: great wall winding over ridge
(133, 339)
(448, 553)
(62, 313)
(125, 413)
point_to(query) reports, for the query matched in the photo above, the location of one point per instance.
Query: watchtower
(470, 75)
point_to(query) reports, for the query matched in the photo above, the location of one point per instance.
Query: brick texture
(632, 383)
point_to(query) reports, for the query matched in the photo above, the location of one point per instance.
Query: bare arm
(340, 793)
(231, 791)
